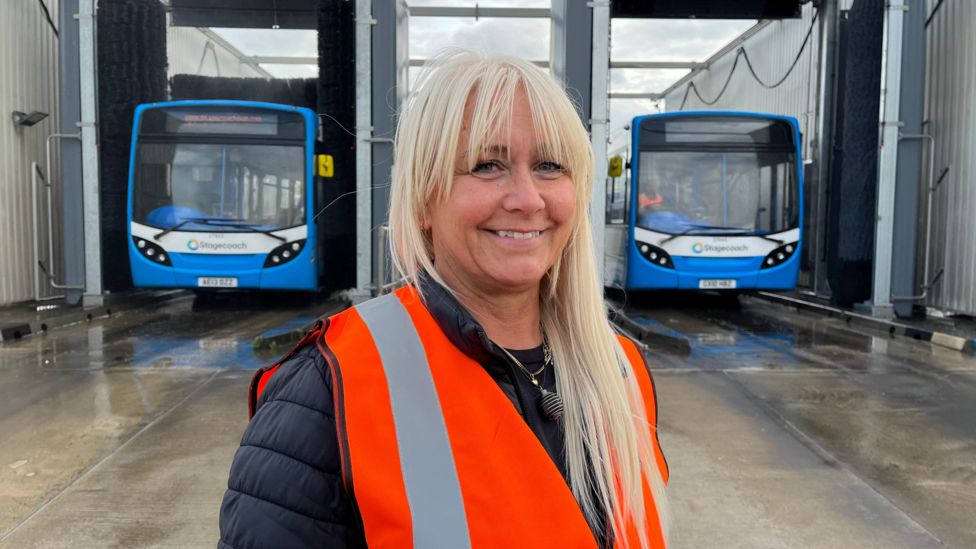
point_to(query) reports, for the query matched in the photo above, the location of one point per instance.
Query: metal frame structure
(388, 69)
(913, 139)
(599, 125)
(364, 154)
(70, 177)
(89, 153)
(884, 230)
(826, 91)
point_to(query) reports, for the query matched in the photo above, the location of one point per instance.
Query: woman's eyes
(490, 169)
(549, 169)
(487, 168)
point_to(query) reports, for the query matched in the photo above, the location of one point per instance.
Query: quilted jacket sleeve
(285, 487)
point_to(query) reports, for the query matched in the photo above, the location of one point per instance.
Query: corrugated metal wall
(951, 112)
(771, 51)
(186, 48)
(28, 82)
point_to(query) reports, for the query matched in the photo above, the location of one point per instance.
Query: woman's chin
(517, 279)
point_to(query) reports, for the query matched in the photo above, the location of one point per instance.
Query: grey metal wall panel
(951, 114)
(771, 50)
(28, 82)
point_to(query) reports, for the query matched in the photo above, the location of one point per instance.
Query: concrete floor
(786, 429)
(782, 430)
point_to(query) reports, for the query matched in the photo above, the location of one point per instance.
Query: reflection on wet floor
(899, 414)
(75, 396)
(182, 334)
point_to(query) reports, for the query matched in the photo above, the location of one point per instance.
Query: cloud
(526, 38)
(279, 42)
(671, 39)
(659, 40)
(276, 43)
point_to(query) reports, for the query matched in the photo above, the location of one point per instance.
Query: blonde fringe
(608, 442)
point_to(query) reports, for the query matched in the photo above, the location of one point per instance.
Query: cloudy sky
(631, 40)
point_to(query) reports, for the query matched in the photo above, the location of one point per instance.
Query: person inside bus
(488, 402)
(649, 198)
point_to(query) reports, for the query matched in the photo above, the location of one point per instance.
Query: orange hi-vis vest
(434, 453)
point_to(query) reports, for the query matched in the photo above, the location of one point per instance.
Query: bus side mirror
(616, 166)
(324, 165)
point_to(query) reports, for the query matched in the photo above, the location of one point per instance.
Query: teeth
(517, 235)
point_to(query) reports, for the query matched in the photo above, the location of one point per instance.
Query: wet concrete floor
(786, 429)
(782, 429)
(120, 433)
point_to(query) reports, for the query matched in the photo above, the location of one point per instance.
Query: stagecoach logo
(194, 245)
(712, 248)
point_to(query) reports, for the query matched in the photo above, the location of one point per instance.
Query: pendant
(551, 403)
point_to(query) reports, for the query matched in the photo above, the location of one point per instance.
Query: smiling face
(507, 218)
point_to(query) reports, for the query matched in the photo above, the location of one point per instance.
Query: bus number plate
(216, 282)
(716, 284)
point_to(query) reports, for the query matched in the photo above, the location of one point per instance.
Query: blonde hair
(608, 444)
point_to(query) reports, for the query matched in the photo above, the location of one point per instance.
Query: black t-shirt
(548, 431)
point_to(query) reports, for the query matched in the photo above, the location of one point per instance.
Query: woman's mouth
(518, 235)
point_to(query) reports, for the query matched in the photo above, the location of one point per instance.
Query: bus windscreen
(243, 186)
(717, 174)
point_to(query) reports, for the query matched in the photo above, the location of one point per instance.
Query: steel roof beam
(478, 12)
(692, 65)
(637, 95)
(282, 60)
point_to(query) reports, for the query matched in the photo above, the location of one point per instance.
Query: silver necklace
(550, 401)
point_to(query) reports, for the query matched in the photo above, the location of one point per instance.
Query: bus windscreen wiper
(204, 220)
(237, 223)
(737, 232)
(675, 235)
(220, 222)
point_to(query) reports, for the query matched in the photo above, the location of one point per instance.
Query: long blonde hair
(608, 444)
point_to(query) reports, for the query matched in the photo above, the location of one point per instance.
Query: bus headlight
(151, 251)
(284, 253)
(655, 255)
(779, 255)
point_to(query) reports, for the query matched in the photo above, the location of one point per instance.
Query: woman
(487, 403)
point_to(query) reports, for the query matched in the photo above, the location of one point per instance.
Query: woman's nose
(523, 193)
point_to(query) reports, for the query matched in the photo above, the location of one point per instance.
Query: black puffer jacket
(285, 487)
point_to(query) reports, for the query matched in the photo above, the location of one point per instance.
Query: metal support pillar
(891, 66)
(827, 91)
(89, 152)
(388, 66)
(570, 57)
(572, 60)
(70, 176)
(364, 152)
(909, 168)
(600, 127)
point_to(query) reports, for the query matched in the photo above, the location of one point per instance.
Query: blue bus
(221, 195)
(713, 201)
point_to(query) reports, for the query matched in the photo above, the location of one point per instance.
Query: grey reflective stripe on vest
(426, 460)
